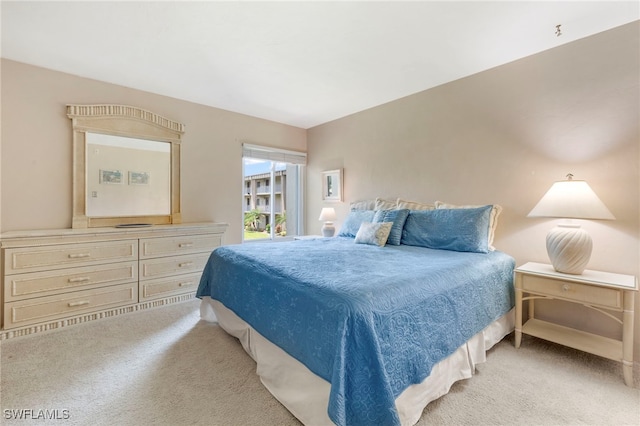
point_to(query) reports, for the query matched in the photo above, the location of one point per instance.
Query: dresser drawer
(36, 284)
(31, 311)
(33, 259)
(176, 265)
(169, 246)
(591, 295)
(164, 287)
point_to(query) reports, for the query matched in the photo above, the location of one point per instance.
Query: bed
(350, 331)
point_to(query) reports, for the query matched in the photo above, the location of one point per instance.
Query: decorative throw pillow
(414, 205)
(493, 219)
(352, 223)
(398, 217)
(374, 234)
(449, 229)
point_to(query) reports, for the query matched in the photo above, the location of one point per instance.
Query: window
(272, 211)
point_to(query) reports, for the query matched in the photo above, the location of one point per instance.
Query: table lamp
(328, 215)
(569, 246)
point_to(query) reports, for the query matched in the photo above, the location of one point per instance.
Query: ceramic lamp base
(569, 248)
(328, 229)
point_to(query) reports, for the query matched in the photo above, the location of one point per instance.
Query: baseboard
(57, 324)
(636, 374)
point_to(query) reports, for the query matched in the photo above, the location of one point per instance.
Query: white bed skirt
(306, 395)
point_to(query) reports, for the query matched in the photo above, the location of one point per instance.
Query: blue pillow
(352, 223)
(398, 217)
(449, 229)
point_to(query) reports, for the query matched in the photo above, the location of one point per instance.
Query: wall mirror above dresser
(126, 166)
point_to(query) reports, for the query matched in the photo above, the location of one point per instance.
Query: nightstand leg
(627, 339)
(532, 308)
(518, 315)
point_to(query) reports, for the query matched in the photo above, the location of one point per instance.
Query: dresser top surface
(12, 238)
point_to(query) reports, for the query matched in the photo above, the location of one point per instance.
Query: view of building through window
(271, 193)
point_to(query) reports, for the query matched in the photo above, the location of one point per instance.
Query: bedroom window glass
(272, 192)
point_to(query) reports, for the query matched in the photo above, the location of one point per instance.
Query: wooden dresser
(54, 278)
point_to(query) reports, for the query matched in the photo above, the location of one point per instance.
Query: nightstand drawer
(581, 293)
(30, 311)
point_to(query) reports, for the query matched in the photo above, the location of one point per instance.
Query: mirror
(127, 176)
(126, 166)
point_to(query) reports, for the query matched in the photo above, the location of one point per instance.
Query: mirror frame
(127, 121)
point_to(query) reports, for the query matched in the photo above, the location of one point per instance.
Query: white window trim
(281, 156)
(274, 154)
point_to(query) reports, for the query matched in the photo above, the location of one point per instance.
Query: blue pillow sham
(352, 223)
(398, 217)
(449, 229)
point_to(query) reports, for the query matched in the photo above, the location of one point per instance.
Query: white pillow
(382, 204)
(414, 205)
(363, 205)
(375, 234)
(493, 218)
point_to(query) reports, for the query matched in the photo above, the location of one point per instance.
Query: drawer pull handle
(184, 284)
(183, 245)
(80, 303)
(182, 265)
(79, 255)
(566, 287)
(79, 279)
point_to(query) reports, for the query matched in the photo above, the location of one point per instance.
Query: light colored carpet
(166, 367)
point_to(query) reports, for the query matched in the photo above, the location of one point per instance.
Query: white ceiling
(299, 63)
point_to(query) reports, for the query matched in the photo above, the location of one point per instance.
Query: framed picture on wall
(111, 177)
(138, 178)
(332, 185)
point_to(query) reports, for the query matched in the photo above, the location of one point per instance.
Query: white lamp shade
(571, 199)
(328, 214)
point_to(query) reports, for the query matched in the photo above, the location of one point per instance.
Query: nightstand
(602, 291)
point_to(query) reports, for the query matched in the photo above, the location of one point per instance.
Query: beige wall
(504, 136)
(35, 183)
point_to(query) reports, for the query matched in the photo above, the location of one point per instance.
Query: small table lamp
(569, 246)
(328, 215)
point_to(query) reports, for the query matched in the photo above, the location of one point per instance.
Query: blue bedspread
(370, 320)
